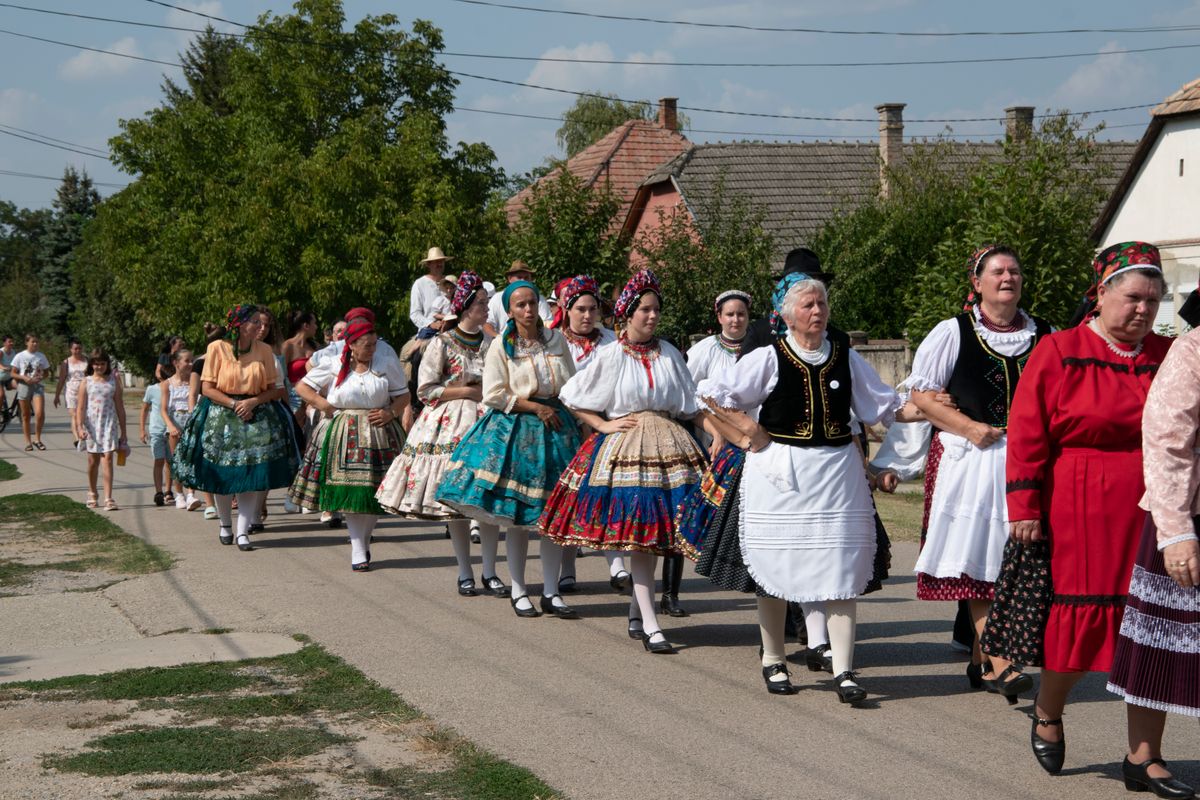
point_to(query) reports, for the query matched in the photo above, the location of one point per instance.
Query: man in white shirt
(427, 304)
(7, 353)
(497, 316)
(334, 349)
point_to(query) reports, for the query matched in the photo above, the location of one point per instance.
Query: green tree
(567, 228)
(595, 114)
(74, 206)
(318, 182)
(724, 247)
(1039, 197)
(21, 234)
(875, 247)
(207, 72)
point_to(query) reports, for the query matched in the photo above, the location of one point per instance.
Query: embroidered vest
(810, 404)
(983, 382)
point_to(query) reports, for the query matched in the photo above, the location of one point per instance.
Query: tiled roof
(623, 157)
(801, 186)
(1185, 100)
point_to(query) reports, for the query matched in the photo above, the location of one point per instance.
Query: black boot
(672, 576)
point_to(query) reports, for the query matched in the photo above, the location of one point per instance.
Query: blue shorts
(158, 445)
(27, 391)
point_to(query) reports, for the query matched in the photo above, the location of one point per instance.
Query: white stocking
(643, 567)
(551, 554)
(249, 512)
(224, 504)
(616, 562)
(841, 634)
(489, 542)
(460, 538)
(516, 547)
(772, 612)
(816, 623)
(359, 526)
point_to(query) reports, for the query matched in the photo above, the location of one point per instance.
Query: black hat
(801, 259)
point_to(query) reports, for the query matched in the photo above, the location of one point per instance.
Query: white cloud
(16, 106)
(88, 65)
(1105, 81)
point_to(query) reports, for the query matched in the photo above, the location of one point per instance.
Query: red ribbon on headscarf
(354, 332)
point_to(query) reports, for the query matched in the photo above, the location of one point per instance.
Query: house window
(1181, 167)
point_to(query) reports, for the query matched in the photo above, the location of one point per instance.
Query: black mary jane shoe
(1050, 755)
(635, 628)
(494, 586)
(819, 659)
(567, 585)
(778, 687)
(524, 612)
(851, 693)
(621, 582)
(257, 527)
(1009, 689)
(563, 611)
(466, 587)
(670, 606)
(1137, 780)
(245, 546)
(362, 566)
(225, 538)
(661, 647)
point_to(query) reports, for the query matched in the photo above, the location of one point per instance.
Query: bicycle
(8, 411)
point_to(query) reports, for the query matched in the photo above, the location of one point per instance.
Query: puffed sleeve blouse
(936, 357)
(618, 382)
(372, 388)
(537, 369)
(251, 373)
(445, 363)
(1171, 444)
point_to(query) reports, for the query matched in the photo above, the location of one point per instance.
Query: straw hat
(519, 266)
(435, 254)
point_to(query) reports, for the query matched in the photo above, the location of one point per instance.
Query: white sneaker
(181, 502)
(194, 503)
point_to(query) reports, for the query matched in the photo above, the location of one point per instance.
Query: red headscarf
(354, 332)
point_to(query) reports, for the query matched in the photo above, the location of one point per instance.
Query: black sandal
(39, 445)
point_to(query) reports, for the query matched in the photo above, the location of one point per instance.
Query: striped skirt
(351, 459)
(220, 453)
(1157, 660)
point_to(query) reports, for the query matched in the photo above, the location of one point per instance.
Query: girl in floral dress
(99, 422)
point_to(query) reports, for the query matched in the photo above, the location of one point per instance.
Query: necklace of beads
(731, 346)
(1123, 353)
(1012, 327)
(471, 341)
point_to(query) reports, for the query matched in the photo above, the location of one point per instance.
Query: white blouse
(535, 370)
(372, 388)
(708, 359)
(748, 383)
(934, 361)
(616, 383)
(606, 336)
(423, 301)
(446, 363)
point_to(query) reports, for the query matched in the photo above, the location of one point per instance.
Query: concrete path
(578, 701)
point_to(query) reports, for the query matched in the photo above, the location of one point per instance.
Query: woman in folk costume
(450, 384)
(577, 316)
(977, 357)
(238, 442)
(364, 395)
(807, 524)
(623, 486)
(505, 466)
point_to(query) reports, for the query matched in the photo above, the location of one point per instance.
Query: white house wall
(1161, 206)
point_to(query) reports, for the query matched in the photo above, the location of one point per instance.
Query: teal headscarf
(509, 337)
(781, 290)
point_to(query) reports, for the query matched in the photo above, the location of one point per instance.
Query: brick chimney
(667, 116)
(1018, 123)
(891, 142)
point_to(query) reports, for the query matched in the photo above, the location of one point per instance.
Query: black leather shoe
(778, 687)
(1050, 755)
(244, 546)
(670, 606)
(524, 612)
(1136, 780)
(635, 628)
(563, 611)
(819, 659)
(466, 587)
(493, 585)
(225, 538)
(661, 647)
(566, 585)
(621, 581)
(850, 693)
(257, 527)
(1008, 688)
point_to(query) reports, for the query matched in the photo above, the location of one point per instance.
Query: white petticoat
(968, 516)
(807, 522)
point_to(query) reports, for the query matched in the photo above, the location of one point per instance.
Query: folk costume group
(748, 457)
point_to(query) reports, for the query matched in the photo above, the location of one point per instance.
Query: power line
(826, 64)
(139, 24)
(92, 49)
(96, 150)
(828, 31)
(52, 178)
(51, 144)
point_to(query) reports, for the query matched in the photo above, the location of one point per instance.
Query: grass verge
(96, 544)
(8, 471)
(247, 727)
(901, 514)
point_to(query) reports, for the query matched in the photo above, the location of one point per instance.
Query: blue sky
(79, 97)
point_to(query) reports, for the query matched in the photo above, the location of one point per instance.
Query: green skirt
(221, 454)
(346, 463)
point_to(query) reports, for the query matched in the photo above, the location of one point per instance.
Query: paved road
(579, 702)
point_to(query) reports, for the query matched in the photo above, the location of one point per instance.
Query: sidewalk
(577, 701)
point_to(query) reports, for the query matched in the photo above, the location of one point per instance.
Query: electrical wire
(95, 150)
(91, 49)
(51, 144)
(15, 174)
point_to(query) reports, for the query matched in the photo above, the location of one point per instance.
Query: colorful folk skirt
(621, 490)
(411, 484)
(505, 466)
(1157, 662)
(354, 456)
(221, 454)
(305, 488)
(702, 503)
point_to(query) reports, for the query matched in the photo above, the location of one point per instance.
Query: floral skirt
(1157, 661)
(411, 485)
(702, 503)
(505, 466)
(353, 458)
(305, 489)
(221, 454)
(621, 490)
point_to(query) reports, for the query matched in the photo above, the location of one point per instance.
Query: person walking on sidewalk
(100, 423)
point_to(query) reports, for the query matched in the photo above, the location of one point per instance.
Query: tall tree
(320, 187)
(74, 205)
(595, 114)
(207, 72)
(21, 234)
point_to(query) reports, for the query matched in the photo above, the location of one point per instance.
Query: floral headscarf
(643, 281)
(509, 337)
(781, 289)
(1111, 262)
(568, 291)
(464, 291)
(238, 316)
(354, 332)
(974, 267)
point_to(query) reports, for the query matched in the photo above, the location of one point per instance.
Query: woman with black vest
(978, 357)
(807, 523)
